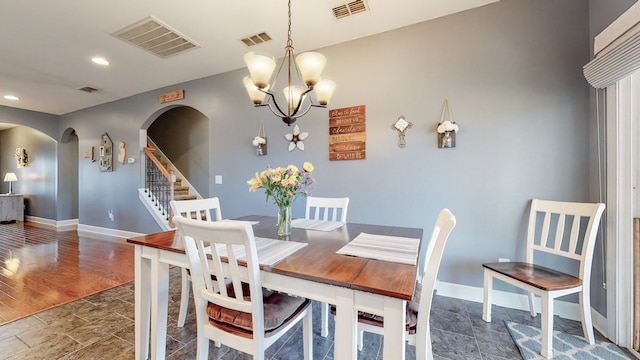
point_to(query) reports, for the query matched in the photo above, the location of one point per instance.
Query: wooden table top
(318, 260)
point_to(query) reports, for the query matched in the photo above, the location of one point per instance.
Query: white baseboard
(94, 232)
(101, 233)
(63, 225)
(67, 225)
(511, 300)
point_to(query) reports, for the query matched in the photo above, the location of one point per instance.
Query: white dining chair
(326, 209)
(199, 209)
(567, 232)
(237, 312)
(418, 311)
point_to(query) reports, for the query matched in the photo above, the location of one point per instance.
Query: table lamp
(10, 177)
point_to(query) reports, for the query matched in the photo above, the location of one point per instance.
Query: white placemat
(320, 225)
(383, 247)
(270, 251)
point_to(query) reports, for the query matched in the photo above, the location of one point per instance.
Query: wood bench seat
(535, 275)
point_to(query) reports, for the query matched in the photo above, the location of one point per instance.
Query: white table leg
(159, 303)
(346, 327)
(142, 269)
(394, 328)
(488, 289)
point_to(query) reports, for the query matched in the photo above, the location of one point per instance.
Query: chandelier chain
(289, 41)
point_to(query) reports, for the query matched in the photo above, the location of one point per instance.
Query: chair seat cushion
(411, 313)
(535, 275)
(278, 309)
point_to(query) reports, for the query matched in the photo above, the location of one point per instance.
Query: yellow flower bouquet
(284, 185)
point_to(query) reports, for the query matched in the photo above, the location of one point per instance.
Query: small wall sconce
(447, 129)
(10, 178)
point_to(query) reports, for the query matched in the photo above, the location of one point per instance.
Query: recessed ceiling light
(11, 97)
(100, 61)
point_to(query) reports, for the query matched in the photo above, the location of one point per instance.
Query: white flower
(296, 138)
(258, 141)
(446, 126)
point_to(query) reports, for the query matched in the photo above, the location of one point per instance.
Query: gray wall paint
(182, 133)
(515, 84)
(68, 158)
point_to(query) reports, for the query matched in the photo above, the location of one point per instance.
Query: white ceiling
(46, 46)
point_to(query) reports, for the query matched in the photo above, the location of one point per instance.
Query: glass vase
(446, 139)
(284, 221)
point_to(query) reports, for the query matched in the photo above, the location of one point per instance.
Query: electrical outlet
(503, 259)
(111, 216)
(218, 179)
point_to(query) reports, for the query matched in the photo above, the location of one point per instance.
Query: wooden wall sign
(347, 133)
(171, 96)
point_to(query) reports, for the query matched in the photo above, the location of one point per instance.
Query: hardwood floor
(41, 268)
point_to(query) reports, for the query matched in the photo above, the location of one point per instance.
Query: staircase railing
(159, 183)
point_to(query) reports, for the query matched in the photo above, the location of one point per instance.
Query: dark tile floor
(101, 327)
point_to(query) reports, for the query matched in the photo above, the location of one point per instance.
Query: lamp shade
(260, 67)
(10, 177)
(324, 90)
(256, 96)
(292, 94)
(311, 65)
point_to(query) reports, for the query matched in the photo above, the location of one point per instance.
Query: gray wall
(512, 72)
(68, 158)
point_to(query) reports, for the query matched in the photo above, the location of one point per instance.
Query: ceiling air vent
(256, 39)
(349, 9)
(88, 89)
(155, 37)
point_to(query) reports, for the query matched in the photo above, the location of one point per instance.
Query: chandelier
(307, 67)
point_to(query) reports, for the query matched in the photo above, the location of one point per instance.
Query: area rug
(565, 346)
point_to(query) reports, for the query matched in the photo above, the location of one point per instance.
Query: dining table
(314, 271)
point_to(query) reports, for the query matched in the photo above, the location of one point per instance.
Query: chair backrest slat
(573, 240)
(560, 233)
(327, 209)
(574, 230)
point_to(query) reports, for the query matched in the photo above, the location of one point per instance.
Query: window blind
(617, 50)
(615, 65)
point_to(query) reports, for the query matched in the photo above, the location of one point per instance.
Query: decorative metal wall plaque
(106, 153)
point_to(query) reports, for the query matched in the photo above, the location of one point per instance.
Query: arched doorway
(182, 134)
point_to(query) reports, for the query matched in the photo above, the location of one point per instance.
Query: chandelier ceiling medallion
(307, 67)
